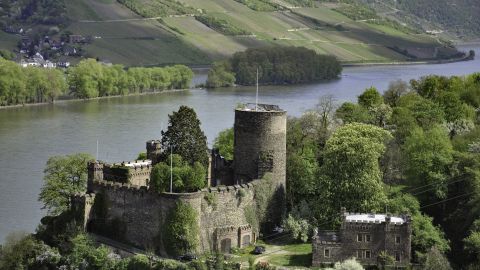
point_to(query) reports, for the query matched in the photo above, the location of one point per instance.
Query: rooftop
(138, 163)
(372, 218)
(259, 107)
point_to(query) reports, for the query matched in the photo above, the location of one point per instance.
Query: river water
(30, 135)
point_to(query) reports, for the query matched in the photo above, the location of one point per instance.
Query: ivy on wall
(181, 230)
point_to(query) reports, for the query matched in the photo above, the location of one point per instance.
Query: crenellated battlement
(145, 189)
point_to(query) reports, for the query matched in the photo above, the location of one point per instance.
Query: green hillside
(454, 18)
(192, 32)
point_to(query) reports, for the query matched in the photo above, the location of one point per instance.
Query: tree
(350, 176)
(351, 113)
(224, 143)
(85, 79)
(84, 255)
(181, 231)
(23, 251)
(370, 98)
(350, 264)
(220, 75)
(385, 259)
(186, 178)
(427, 236)
(185, 137)
(435, 260)
(396, 89)
(426, 112)
(64, 177)
(428, 155)
(302, 171)
(298, 227)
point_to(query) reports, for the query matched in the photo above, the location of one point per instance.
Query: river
(30, 135)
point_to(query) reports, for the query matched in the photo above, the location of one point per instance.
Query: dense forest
(275, 65)
(89, 79)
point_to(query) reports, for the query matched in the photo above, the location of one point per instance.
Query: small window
(359, 238)
(397, 256)
(368, 237)
(326, 253)
(359, 255)
(397, 239)
(368, 254)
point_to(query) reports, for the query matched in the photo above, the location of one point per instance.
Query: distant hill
(456, 18)
(196, 32)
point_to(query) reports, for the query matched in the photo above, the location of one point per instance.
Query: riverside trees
(275, 65)
(89, 79)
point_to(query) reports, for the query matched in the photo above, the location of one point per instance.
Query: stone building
(119, 203)
(364, 237)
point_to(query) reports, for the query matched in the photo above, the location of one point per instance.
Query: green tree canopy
(224, 143)
(428, 155)
(370, 98)
(350, 176)
(220, 75)
(64, 177)
(185, 177)
(185, 137)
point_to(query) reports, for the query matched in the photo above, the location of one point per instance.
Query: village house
(366, 237)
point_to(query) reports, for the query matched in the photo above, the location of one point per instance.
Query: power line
(449, 199)
(453, 182)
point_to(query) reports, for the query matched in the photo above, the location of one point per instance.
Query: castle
(119, 203)
(365, 237)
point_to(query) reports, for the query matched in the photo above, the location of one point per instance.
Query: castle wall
(136, 215)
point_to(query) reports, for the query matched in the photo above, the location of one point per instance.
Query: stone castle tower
(260, 136)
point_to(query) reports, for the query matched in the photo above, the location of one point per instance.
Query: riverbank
(66, 100)
(406, 63)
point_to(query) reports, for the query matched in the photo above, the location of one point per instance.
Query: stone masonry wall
(136, 215)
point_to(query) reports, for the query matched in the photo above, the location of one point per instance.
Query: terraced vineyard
(151, 32)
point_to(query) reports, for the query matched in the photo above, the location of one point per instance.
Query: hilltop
(197, 32)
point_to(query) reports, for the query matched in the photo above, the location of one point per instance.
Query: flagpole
(171, 168)
(256, 94)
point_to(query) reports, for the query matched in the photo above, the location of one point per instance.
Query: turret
(95, 173)
(154, 150)
(260, 135)
(260, 143)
